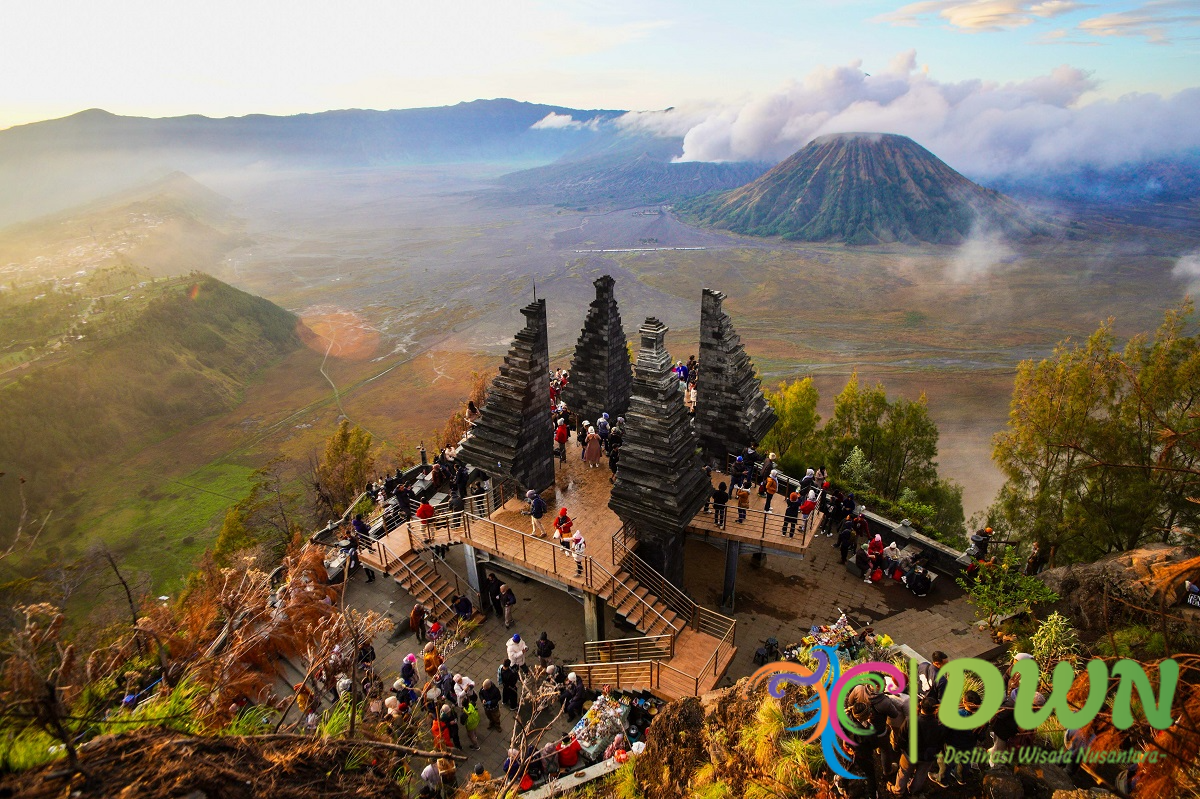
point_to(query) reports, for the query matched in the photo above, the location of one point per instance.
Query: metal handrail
(417, 578)
(715, 658)
(641, 648)
(458, 589)
(617, 581)
(660, 586)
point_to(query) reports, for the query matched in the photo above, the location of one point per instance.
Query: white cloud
(978, 127)
(980, 15)
(556, 121)
(1188, 268)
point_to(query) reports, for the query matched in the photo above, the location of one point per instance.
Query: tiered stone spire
(660, 484)
(513, 437)
(731, 410)
(601, 376)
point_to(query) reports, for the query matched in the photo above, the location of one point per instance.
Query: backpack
(470, 716)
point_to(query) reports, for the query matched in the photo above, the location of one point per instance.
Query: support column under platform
(593, 617)
(472, 569)
(733, 550)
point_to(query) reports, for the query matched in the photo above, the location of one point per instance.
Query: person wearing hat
(516, 652)
(573, 697)
(449, 720)
(480, 775)
(408, 670)
(431, 659)
(578, 547)
(771, 486)
(537, 509)
(791, 514)
(562, 527)
(593, 448)
(737, 471)
(561, 436)
(545, 650)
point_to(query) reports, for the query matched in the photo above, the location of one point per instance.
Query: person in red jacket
(562, 528)
(424, 515)
(561, 436)
(568, 752)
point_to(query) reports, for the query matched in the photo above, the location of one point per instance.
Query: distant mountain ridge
(862, 188)
(628, 170)
(59, 163)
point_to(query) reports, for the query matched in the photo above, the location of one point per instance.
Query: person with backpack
(960, 741)
(928, 683)
(910, 779)
(469, 715)
(509, 679)
(537, 509)
(603, 429)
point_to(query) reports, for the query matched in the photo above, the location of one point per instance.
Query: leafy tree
(1002, 589)
(1101, 451)
(268, 515)
(857, 470)
(795, 406)
(343, 470)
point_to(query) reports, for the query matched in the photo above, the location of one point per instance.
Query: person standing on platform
(720, 500)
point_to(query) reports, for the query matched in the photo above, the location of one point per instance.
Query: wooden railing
(653, 647)
(622, 675)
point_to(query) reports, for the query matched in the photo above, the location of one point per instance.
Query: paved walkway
(539, 608)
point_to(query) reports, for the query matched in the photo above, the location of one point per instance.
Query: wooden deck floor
(760, 529)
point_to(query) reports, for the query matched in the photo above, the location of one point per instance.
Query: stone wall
(513, 437)
(660, 484)
(601, 375)
(731, 411)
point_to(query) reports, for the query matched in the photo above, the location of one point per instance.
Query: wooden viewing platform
(701, 641)
(761, 531)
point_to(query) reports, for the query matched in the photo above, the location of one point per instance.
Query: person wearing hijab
(593, 449)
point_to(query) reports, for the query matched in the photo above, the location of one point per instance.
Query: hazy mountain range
(557, 155)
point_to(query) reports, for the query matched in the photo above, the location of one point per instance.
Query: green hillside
(177, 351)
(862, 188)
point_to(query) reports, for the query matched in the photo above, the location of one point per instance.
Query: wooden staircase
(646, 612)
(418, 577)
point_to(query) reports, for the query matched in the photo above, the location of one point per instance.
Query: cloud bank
(981, 128)
(1188, 268)
(556, 121)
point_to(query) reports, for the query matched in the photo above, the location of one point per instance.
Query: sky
(230, 58)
